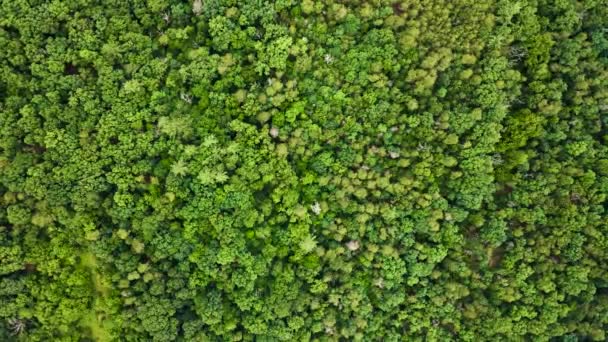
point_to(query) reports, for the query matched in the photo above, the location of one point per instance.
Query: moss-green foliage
(303, 170)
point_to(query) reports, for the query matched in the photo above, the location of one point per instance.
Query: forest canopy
(361, 170)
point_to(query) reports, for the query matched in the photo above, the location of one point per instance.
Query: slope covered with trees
(303, 170)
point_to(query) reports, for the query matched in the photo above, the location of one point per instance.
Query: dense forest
(340, 170)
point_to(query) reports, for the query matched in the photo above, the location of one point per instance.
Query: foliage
(303, 170)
